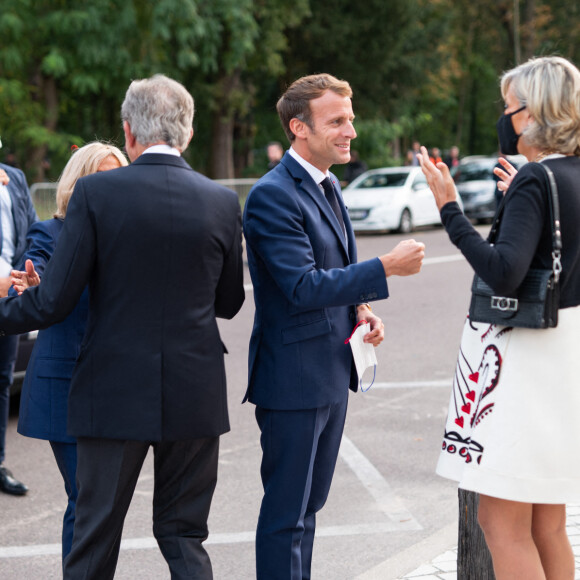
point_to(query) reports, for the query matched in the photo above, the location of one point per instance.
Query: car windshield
(384, 180)
(474, 172)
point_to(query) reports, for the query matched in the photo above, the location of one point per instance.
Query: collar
(314, 172)
(162, 148)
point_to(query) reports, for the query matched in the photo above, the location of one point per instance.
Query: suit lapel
(306, 184)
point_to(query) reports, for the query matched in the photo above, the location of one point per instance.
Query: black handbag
(535, 303)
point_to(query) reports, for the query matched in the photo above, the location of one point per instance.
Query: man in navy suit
(309, 293)
(159, 247)
(16, 216)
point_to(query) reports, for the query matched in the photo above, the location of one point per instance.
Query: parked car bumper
(371, 223)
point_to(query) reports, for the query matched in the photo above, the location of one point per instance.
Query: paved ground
(388, 515)
(444, 567)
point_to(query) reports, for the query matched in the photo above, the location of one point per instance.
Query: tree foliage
(420, 69)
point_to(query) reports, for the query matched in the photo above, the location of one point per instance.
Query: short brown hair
(295, 102)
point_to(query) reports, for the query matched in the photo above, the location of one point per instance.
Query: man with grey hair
(151, 369)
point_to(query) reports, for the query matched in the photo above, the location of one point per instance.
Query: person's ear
(129, 137)
(298, 127)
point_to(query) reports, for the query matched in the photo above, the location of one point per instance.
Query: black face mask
(508, 138)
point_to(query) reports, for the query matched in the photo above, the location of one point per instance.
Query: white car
(392, 198)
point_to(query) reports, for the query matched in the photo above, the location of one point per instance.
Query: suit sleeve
(274, 226)
(65, 277)
(31, 216)
(504, 264)
(230, 295)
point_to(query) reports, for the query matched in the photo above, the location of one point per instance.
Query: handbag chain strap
(554, 205)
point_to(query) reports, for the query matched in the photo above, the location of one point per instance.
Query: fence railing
(44, 199)
(44, 194)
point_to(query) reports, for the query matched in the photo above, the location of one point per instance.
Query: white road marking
(413, 384)
(377, 486)
(400, 519)
(443, 259)
(224, 538)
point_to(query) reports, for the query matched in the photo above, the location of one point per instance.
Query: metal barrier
(44, 194)
(240, 186)
(44, 199)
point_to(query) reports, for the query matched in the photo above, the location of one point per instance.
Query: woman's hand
(23, 280)
(506, 175)
(439, 179)
(4, 179)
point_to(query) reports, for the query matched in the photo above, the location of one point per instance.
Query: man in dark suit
(159, 246)
(309, 293)
(16, 216)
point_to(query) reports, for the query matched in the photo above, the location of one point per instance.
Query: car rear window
(474, 172)
(384, 180)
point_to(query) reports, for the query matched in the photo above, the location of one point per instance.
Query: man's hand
(405, 259)
(377, 332)
(23, 280)
(4, 179)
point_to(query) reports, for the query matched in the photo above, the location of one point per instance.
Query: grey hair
(549, 87)
(159, 109)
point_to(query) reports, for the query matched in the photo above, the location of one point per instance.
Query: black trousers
(8, 349)
(107, 473)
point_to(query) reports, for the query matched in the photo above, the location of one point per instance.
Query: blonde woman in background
(43, 402)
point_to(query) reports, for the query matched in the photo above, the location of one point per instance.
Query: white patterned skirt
(513, 428)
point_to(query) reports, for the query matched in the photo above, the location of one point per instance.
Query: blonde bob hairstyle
(549, 87)
(84, 161)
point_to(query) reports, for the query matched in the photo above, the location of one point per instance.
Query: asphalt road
(387, 512)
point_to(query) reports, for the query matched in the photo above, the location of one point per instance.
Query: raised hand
(21, 280)
(439, 179)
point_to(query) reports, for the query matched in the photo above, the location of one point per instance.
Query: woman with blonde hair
(512, 432)
(43, 402)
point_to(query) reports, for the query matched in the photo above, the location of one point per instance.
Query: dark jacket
(159, 247)
(306, 285)
(23, 211)
(44, 397)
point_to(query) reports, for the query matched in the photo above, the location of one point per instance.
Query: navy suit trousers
(300, 449)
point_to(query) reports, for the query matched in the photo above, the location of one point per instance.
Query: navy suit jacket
(306, 286)
(43, 401)
(23, 212)
(159, 247)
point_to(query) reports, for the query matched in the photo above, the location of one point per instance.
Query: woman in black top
(513, 433)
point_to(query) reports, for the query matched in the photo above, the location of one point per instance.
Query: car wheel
(406, 222)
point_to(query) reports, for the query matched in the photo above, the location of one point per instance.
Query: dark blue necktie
(330, 195)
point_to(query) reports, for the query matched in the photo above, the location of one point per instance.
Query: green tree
(217, 49)
(387, 51)
(56, 58)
